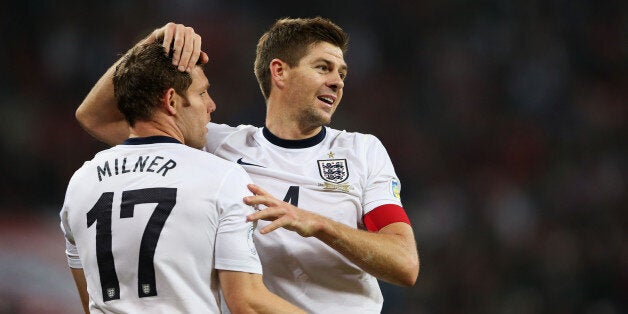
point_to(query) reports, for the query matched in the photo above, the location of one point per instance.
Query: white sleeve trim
(238, 265)
(72, 255)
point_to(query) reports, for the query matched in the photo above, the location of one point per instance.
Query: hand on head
(186, 45)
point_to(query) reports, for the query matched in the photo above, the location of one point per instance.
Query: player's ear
(169, 101)
(278, 72)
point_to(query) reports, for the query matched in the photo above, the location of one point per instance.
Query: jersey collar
(304, 143)
(150, 140)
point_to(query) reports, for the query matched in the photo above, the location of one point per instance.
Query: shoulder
(211, 161)
(86, 171)
(220, 133)
(202, 157)
(99, 159)
(215, 129)
(205, 169)
(343, 137)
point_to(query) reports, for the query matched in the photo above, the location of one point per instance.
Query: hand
(282, 214)
(187, 45)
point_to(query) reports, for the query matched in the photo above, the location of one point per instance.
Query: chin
(326, 120)
(316, 118)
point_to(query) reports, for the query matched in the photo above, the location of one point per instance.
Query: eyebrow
(343, 66)
(205, 85)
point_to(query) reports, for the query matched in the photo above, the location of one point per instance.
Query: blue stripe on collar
(304, 143)
(150, 140)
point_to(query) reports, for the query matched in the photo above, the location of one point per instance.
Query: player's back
(145, 220)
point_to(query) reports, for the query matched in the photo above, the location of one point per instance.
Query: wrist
(321, 227)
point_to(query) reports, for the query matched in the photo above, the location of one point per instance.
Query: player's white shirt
(115, 208)
(337, 174)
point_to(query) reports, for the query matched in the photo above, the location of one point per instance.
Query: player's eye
(322, 67)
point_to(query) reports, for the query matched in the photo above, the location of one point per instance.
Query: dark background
(504, 120)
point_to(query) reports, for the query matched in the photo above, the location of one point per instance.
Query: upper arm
(382, 187)
(243, 292)
(98, 114)
(246, 293)
(239, 286)
(81, 286)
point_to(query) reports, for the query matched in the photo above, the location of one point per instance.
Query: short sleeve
(71, 251)
(235, 249)
(382, 185)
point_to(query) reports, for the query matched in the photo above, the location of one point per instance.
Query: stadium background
(504, 119)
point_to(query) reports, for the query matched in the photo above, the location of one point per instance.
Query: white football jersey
(337, 174)
(151, 220)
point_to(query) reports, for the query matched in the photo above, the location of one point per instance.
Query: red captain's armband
(383, 216)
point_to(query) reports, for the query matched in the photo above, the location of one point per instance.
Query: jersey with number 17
(151, 220)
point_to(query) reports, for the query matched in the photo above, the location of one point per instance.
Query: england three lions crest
(333, 170)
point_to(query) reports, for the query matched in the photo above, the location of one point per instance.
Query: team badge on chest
(333, 170)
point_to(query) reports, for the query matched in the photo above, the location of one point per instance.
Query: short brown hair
(141, 79)
(289, 40)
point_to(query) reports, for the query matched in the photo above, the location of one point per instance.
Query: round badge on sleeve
(249, 239)
(395, 187)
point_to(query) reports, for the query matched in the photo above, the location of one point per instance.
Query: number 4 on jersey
(292, 196)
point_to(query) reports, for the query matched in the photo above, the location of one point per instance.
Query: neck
(156, 127)
(291, 130)
(282, 124)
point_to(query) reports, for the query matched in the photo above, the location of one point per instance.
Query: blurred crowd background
(506, 121)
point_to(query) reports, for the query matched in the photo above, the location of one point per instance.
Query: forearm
(98, 114)
(390, 254)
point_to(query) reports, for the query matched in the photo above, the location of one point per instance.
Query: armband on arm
(383, 216)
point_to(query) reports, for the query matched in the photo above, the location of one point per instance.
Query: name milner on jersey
(156, 165)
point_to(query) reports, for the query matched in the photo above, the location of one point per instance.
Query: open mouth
(326, 99)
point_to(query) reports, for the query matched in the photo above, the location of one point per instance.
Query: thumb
(204, 57)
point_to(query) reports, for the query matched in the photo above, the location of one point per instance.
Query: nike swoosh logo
(246, 163)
